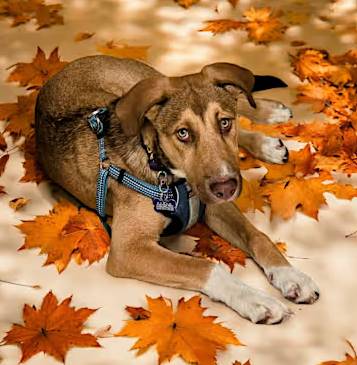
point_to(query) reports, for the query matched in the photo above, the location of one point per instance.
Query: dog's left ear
(228, 74)
(267, 82)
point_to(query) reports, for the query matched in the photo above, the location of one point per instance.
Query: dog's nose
(224, 187)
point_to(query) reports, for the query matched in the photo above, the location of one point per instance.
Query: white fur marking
(250, 303)
(272, 150)
(294, 284)
(279, 115)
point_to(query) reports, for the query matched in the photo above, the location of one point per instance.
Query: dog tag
(164, 205)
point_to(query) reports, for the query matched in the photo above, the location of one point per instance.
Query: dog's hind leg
(227, 221)
(267, 111)
(135, 253)
(262, 147)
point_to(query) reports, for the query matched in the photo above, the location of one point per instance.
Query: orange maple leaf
(65, 233)
(212, 246)
(122, 50)
(350, 359)
(306, 194)
(33, 171)
(261, 24)
(251, 197)
(20, 116)
(187, 333)
(52, 329)
(138, 313)
(34, 74)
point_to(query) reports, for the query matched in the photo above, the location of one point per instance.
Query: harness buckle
(95, 122)
(162, 178)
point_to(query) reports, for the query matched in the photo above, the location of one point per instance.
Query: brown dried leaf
(3, 144)
(33, 170)
(3, 162)
(213, 246)
(138, 313)
(81, 36)
(20, 115)
(221, 26)
(186, 3)
(34, 74)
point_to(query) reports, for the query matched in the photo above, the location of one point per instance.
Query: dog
(189, 125)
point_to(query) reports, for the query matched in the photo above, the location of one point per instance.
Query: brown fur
(145, 105)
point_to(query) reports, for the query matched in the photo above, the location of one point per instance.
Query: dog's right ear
(131, 108)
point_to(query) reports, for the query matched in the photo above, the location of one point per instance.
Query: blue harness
(175, 201)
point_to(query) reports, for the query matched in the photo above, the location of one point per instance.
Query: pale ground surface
(316, 332)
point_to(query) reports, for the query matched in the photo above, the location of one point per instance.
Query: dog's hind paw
(294, 284)
(273, 150)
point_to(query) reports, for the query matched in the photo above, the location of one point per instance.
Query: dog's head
(190, 123)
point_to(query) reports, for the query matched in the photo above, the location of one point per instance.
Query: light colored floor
(315, 333)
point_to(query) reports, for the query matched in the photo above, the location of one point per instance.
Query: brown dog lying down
(189, 124)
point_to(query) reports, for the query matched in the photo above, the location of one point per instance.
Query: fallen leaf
(212, 246)
(251, 198)
(33, 171)
(20, 116)
(81, 36)
(282, 247)
(22, 11)
(303, 194)
(261, 24)
(18, 203)
(3, 144)
(239, 363)
(186, 3)
(66, 232)
(297, 43)
(233, 2)
(187, 333)
(138, 313)
(34, 74)
(3, 162)
(52, 329)
(104, 332)
(350, 359)
(47, 15)
(122, 50)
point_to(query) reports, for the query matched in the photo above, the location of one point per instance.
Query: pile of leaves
(262, 25)
(329, 86)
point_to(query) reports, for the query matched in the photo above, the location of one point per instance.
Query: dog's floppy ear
(267, 82)
(131, 108)
(224, 74)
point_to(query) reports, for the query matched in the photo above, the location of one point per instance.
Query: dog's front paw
(279, 114)
(259, 307)
(294, 284)
(273, 150)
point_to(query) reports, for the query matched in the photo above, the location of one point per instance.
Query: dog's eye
(183, 135)
(225, 124)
